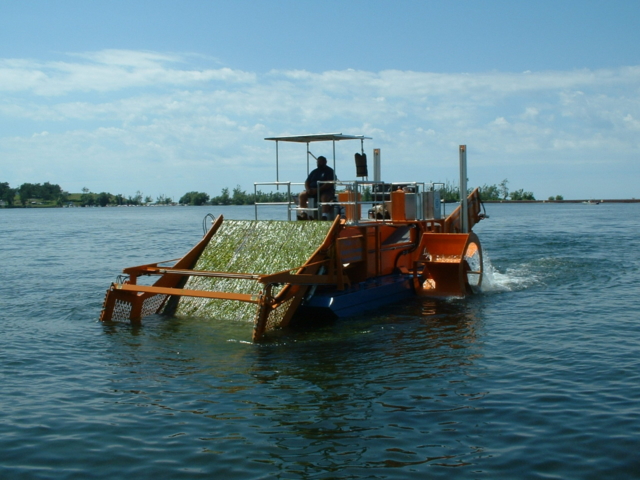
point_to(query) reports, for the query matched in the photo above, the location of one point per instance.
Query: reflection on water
(364, 393)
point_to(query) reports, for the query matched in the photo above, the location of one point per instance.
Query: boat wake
(512, 279)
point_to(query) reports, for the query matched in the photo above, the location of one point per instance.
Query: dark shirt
(320, 174)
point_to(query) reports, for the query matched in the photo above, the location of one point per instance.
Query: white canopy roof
(318, 137)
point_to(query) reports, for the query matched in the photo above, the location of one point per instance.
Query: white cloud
(129, 58)
(500, 122)
(147, 113)
(631, 122)
(107, 71)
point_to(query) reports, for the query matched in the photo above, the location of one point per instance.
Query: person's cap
(321, 158)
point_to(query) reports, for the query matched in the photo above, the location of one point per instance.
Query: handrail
(378, 194)
(276, 184)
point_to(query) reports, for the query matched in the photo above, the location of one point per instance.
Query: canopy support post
(464, 215)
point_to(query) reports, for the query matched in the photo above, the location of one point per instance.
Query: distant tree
(62, 198)
(223, 199)
(201, 198)
(450, 193)
(148, 199)
(49, 191)
(163, 199)
(194, 198)
(103, 199)
(503, 189)
(268, 197)
(239, 196)
(521, 195)
(7, 193)
(185, 199)
(25, 192)
(559, 197)
(87, 199)
(224, 196)
(490, 192)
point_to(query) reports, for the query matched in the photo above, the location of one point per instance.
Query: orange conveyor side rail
(122, 304)
(474, 205)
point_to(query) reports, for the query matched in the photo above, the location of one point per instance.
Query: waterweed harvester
(279, 272)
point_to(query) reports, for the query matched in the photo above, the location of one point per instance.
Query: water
(538, 377)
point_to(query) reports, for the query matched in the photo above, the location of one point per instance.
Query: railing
(421, 201)
(278, 185)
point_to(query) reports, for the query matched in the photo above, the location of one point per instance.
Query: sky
(166, 97)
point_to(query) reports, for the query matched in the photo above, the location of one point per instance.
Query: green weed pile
(243, 246)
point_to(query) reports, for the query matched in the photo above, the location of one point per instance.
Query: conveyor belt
(248, 247)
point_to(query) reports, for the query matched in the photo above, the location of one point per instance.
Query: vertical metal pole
(379, 195)
(334, 159)
(277, 171)
(255, 196)
(464, 216)
(288, 200)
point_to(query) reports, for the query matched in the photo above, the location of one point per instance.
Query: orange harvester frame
(360, 262)
(434, 255)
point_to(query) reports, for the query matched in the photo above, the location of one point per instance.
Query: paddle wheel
(450, 264)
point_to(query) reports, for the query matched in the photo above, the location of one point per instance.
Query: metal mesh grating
(151, 305)
(121, 311)
(277, 314)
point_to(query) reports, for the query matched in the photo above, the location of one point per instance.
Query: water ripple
(536, 378)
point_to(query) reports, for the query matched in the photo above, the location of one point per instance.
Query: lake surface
(537, 377)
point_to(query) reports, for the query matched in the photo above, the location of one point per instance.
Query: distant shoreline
(592, 201)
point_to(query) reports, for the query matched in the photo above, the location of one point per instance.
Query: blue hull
(361, 297)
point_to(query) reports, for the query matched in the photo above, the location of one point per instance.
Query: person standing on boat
(323, 173)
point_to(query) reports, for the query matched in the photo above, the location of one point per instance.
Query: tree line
(497, 192)
(449, 193)
(54, 195)
(103, 199)
(28, 191)
(237, 196)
